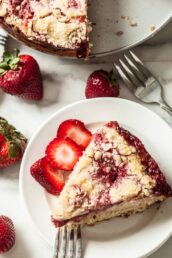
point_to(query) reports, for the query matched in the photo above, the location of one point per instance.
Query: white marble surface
(64, 83)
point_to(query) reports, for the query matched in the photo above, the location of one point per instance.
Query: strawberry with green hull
(20, 76)
(7, 234)
(12, 144)
(101, 83)
(62, 153)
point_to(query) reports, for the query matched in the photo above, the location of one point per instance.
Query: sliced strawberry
(38, 172)
(76, 131)
(63, 153)
(55, 176)
(50, 178)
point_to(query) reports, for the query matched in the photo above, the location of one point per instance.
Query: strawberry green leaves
(9, 61)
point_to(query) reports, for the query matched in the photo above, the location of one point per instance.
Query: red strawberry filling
(73, 4)
(151, 166)
(22, 9)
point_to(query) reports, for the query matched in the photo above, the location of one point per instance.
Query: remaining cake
(115, 176)
(53, 25)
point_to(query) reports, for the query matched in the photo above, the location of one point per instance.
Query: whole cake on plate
(58, 26)
(115, 176)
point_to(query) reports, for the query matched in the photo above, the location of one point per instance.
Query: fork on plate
(68, 242)
(141, 81)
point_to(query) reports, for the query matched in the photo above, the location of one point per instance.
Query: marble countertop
(64, 83)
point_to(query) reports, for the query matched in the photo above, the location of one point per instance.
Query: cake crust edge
(43, 47)
(120, 210)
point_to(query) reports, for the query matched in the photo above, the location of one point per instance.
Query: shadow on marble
(10, 172)
(51, 88)
(1, 96)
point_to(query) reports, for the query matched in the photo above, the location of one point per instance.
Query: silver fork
(140, 81)
(68, 242)
(3, 41)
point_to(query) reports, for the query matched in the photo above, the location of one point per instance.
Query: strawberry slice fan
(62, 153)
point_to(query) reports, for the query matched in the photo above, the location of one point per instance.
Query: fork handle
(166, 108)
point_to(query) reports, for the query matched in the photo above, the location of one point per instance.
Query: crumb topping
(62, 23)
(111, 170)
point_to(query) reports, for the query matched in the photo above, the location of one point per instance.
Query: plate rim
(47, 120)
(110, 52)
(138, 42)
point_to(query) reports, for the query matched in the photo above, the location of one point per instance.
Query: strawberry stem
(9, 61)
(112, 78)
(14, 150)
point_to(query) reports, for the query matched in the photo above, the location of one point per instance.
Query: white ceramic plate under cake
(120, 24)
(136, 236)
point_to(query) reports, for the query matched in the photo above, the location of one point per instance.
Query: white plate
(112, 17)
(111, 20)
(136, 236)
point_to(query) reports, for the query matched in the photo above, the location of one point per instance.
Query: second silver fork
(140, 81)
(68, 242)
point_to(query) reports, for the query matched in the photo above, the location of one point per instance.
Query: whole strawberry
(20, 75)
(101, 84)
(7, 234)
(12, 144)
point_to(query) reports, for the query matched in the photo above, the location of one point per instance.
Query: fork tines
(3, 40)
(68, 242)
(133, 71)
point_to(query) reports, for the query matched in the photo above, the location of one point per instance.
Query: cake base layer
(57, 27)
(117, 210)
(43, 47)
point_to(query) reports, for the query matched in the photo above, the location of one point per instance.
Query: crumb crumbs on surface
(132, 23)
(119, 33)
(152, 28)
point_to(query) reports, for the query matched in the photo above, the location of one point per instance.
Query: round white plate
(113, 19)
(136, 236)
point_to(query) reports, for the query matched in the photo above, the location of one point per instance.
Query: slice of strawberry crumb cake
(115, 176)
(112, 174)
